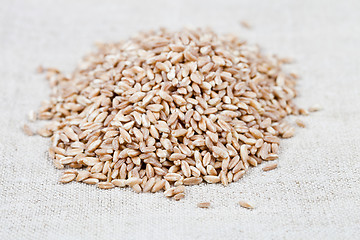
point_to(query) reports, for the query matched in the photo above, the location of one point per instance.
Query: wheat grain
(246, 204)
(270, 166)
(91, 181)
(192, 180)
(105, 185)
(32, 116)
(66, 178)
(315, 108)
(158, 186)
(212, 179)
(179, 196)
(245, 24)
(203, 205)
(289, 133)
(27, 130)
(300, 123)
(136, 188)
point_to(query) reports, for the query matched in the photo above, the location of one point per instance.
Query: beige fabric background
(314, 194)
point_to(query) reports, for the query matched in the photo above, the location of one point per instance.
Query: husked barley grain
(163, 110)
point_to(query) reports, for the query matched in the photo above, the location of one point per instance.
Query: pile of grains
(167, 109)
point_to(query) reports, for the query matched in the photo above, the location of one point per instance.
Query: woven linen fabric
(313, 194)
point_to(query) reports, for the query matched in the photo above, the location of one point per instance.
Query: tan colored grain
(238, 175)
(133, 181)
(69, 132)
(91, 181)
(119, 182)
(246, 204)
(211, 170)
(203, 205)
(179, 189)
(212, 179)
(271, 156)
(177, 156)
(172, 177)
(192, 180)
(158, 186)
(245, 24)
(178, 196)
(44, 132)
(303, 111)
(66, 178)
(315, 108)
(185, 169)
(244, 153)
(136, 188)
(289, 133)
(300, 123)
(149, 184)
(99, 176)
(223, 178)
(169, 192)
(252, 162)
(90, 161)
(174, 190)
(220, 152)
(105, 185)
(270, 166)
(27, 130)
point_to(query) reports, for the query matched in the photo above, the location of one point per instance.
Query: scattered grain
(203, 205)
(246, 204)
(300, 123)
(315, 108)
(245, 24)
(270, 166)
(27, 130)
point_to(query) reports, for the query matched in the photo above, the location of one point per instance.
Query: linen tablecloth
(314, 193)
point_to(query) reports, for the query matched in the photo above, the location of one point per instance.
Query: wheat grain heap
(167, 109)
